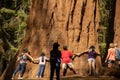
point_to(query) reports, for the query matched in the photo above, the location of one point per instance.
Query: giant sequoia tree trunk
(71, 22)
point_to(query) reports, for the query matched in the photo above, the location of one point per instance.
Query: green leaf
(21, 13)
(5, 10)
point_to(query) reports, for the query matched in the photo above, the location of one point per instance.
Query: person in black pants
(55, 60)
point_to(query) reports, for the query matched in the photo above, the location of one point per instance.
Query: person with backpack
(55, 61)
(67, 60)
(91, 59)
(42, 61)
(117, 54)
(111, 56)
(24, 57)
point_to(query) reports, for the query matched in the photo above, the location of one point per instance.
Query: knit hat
(25, 50)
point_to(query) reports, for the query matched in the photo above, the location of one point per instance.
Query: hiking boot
(13, 76)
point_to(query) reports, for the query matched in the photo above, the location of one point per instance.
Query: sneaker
(13, 76)
(20, 78)
(40, 77)
(77, 72)
(36, 76)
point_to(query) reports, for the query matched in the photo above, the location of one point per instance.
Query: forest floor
(77, 77)
(109, 74)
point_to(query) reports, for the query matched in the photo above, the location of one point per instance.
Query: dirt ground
(77, 77)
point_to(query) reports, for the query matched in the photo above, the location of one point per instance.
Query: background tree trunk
(117, 24)
(71, 22)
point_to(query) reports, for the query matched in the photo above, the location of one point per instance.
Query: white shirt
(44, 60)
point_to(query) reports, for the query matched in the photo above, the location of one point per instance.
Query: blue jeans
(41, 69)
(21, 67)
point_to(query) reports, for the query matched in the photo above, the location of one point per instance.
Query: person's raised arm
(97, 53)
(36, 59)
(31, 59)
(47, 59)
(80, 54)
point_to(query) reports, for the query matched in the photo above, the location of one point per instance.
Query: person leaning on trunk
(67, 60)
(23, 58)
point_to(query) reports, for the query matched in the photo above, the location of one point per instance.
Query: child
(25, 56)
(67, 61)
(91, 59)
(42, 61)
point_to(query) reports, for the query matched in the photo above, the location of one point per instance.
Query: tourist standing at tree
(91, 59)
(66, 60)
(55, 60)
(42, 61)
(111, 56)
(117, 54)
(24, 57)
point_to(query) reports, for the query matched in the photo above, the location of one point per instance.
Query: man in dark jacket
(55, 61)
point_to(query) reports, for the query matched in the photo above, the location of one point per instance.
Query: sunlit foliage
(13, 22)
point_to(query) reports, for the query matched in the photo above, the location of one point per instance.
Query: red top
(66, 56)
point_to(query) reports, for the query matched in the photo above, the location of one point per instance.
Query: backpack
(22, 57)
(117, 53)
